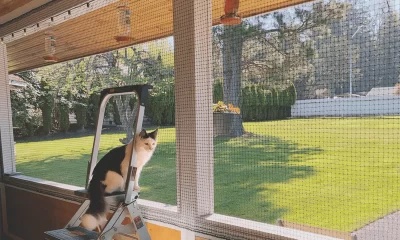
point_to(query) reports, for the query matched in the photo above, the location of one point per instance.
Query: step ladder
(126, 202)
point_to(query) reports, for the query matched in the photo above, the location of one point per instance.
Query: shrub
(64, 117)
(218, 91)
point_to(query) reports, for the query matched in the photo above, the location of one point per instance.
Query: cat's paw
(136, 188)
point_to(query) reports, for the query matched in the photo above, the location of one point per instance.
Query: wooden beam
(36, 15)
(94, 31)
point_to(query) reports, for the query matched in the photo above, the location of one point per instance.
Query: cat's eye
(147, 143)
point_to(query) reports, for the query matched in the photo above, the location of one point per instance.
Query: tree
(280, 52)
(26, 117)
(132, 66)
(42, 87)
(388, 44)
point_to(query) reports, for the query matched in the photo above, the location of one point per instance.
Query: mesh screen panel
(316, 141)
(290, 117)
(55, 115)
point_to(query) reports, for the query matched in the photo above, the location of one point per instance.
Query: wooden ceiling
(94, 32)
(7, 6)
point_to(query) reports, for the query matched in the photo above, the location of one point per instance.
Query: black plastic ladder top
(142, 90)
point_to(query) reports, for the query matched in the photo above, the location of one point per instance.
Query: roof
(383, 91)
(16, 82)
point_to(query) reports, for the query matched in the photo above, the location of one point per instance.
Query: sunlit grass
(331, 173)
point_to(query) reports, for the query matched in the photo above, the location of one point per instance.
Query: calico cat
(110, 174)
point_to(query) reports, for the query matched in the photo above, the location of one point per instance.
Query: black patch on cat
(96, 195)
(110, 162)
(143, 134)
(153, 134)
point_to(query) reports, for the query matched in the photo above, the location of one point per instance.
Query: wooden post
(193, 91)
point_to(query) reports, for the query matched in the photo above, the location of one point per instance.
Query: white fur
(144, 149)
(114, 182)
(89, 222)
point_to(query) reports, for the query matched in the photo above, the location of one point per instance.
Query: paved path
(386, 228)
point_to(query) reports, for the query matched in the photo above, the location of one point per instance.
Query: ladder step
(72, 233)
(115, 197)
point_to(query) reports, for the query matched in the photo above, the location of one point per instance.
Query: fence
(362, 106)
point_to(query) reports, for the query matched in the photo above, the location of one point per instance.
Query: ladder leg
(127, 230)
(138, 221)
(76, 219)
(116, 219)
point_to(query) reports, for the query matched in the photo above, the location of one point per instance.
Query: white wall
(363, 106)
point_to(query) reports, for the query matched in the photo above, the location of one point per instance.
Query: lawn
(332, 173)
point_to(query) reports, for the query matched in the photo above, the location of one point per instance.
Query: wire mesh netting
(55, 115)
(306, 105)
(316, 139)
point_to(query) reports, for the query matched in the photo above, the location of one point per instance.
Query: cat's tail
(96, 214)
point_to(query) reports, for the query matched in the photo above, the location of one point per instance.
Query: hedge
(260, 103)
(161, 106)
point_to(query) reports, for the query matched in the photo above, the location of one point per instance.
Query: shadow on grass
(245, 169)
(57, 168)
(75, 134)
(158, 180)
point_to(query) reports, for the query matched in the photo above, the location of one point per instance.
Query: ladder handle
(141, 91)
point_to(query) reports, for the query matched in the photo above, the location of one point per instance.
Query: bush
(221, 107)
(262, 105)
(161, 105)
(218, 91)
(258, 103)
(245, 102)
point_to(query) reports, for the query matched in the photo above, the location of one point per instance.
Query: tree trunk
(47, 118)
(80, 113)
(231, 56)
(64, 117)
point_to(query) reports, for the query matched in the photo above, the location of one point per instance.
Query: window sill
(215, 225)
(150, 209)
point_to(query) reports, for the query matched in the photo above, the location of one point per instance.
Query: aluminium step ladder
(126, 202)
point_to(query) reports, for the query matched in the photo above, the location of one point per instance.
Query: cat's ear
(153, 134)
(143, 134)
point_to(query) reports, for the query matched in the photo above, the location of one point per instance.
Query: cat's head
(147, 141)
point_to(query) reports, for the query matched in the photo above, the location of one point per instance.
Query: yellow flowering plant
(221, 107)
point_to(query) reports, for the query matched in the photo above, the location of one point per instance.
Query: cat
(110, 174)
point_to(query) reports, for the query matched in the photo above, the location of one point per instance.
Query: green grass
(331, 173)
